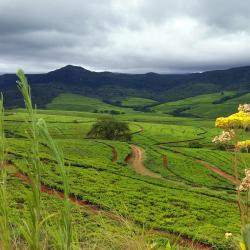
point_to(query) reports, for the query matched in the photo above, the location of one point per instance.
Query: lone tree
(111, 129)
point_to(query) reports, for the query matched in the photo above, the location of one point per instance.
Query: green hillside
(207, 106)
(116, 187)
(148, 188)
(201, 106)
(73, 102)
(118, 86)
(134, 102)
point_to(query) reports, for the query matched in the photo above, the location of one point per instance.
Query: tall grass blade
(65, 230)
(34, 171)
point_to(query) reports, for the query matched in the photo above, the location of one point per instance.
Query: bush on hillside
(110, 129)
(194, 144)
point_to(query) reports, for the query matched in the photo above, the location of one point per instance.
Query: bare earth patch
(137, 162)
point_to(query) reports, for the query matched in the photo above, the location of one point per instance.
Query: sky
(132, 36)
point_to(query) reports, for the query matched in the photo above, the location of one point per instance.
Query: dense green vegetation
(205, 106)
(110, 129)
(135, 102)
(73, 102)
(114, 186)
(200, 106)
(174, 137)
(116, 87)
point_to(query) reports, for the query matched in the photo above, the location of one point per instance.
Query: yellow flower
(243, 144)
(242, 246)
(228, 235)
(237, 120)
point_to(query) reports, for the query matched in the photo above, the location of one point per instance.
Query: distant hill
(114, 87)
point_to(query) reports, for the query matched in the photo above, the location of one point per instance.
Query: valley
(124, 125)
(157, 181)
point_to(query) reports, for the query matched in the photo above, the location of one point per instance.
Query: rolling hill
(117, 87)
(149, 187)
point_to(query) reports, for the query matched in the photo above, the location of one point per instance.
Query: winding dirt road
(137, 162)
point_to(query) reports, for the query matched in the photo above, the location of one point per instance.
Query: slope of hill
(156, 181)
(205, 106)
(74, 102)
(169, 204)
(135, 102)
(113, 86)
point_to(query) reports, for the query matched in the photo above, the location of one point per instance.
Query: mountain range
(112, 87)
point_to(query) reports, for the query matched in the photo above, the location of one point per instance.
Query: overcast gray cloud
(164, 36)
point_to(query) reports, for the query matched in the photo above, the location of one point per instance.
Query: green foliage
(195, 144)
(174, 207)
(110, 129)
(5, 237)
(246, 236)
(198, 106)
(33, 229)
(73, 102)
(135, 102)
(171, 204)
(65, 230)
(118, 87)
(184, 169)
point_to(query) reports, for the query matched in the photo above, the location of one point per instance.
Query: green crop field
(205, 106)
(134, 102)
(124, 125)
(93, 228)
(102, 173)
(81, 103)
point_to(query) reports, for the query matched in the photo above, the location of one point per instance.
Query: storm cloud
(166, 36)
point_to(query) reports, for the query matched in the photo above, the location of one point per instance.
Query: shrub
(194, 144)
(231, 126)
(110, 129)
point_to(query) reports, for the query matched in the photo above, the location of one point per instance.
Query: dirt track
(136, 161)
(218, 171)
(82, 203)
(114, 154)
(211, 167)
(184, 241)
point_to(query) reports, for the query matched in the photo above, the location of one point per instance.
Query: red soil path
(182, 240)
(212, 168)
(114, 154)
(220, 172)
(136, 161)
(82, 203)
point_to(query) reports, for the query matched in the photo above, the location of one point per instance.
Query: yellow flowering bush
(242, 246)
(230, 126)
(237, 120)
(243, 144)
